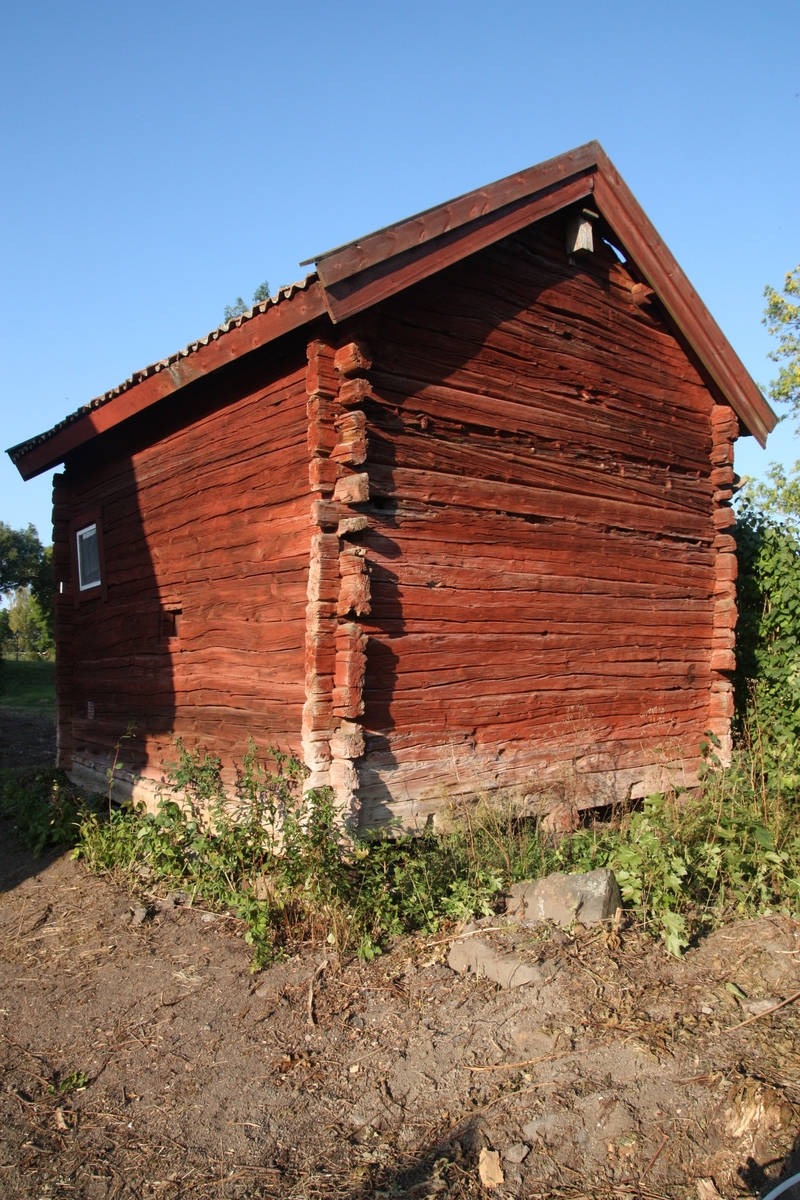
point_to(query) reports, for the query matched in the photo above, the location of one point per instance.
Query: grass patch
(28, 684)
(685, 863)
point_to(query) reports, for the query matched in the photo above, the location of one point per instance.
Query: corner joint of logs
(338, 578)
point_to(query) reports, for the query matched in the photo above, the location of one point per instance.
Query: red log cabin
(449, 516)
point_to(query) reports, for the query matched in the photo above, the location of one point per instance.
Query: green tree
(236, 309)
(28, 627)
(239, 307)
(26, 569)
(20, 557)
(6, 640)
(782, 319)
(43, 589)
(767, 681)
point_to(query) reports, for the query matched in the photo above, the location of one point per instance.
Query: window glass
(88, 558)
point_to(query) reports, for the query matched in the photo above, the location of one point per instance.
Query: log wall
(477, 537)
(549, 536)
(206, 538)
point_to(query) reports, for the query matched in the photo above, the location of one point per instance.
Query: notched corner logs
(338, 579)
(352, 359)
(724, 432)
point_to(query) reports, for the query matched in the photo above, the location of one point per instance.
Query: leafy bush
(767, 682)
(274, 858)
(46, 808)
(688, 862)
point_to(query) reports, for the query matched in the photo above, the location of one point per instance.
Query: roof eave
(302, 303)
(359, 274)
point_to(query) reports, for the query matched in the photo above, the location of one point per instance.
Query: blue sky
(160, 159)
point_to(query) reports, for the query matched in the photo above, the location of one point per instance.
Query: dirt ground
(140, 1058)
(27, 737)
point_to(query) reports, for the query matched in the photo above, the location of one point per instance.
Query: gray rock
(562, 899)
(548, 1128)
(138, 915)
(480, 957)
(758, 1008)
(516, 1153)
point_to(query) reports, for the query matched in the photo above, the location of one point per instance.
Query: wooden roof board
(359, 274)
(356, 256)
(156, 383)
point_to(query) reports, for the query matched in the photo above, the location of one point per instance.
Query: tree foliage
(31, 632)
(238, 308)
(767, 679)
(768, 539)
(26, 570)
(20, 557)
(782, 319)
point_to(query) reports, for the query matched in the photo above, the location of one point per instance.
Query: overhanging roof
(353, 277)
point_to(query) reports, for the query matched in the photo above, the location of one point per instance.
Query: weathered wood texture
(478, 538)
(338, 584)
(210, 520)
(549, 555)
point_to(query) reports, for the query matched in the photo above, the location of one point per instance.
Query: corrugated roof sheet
(283, 294)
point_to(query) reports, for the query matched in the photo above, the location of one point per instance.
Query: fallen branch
(311, 1018)
(655, 1156)
(456, 937)
(531, 1062)
(768, 1013)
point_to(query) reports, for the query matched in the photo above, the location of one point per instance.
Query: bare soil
(140, 1058)
(27, 737)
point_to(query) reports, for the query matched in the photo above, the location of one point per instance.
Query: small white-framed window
(88, 557)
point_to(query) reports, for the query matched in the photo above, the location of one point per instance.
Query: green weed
(47, 810)
(74, 1082)
(274, 857)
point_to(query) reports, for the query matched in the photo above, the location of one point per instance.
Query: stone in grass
(480, 957)
(590, 898)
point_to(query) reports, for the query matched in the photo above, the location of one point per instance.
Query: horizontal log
(428, 486)
(354, 596)
(352, 525)
(327, 513)
(347, 702)
(352, 359)
(354, 392)
(724, 518)
(352, 489)
(322, 475)
(321, 379)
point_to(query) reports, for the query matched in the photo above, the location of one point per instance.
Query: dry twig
(768, 1013)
